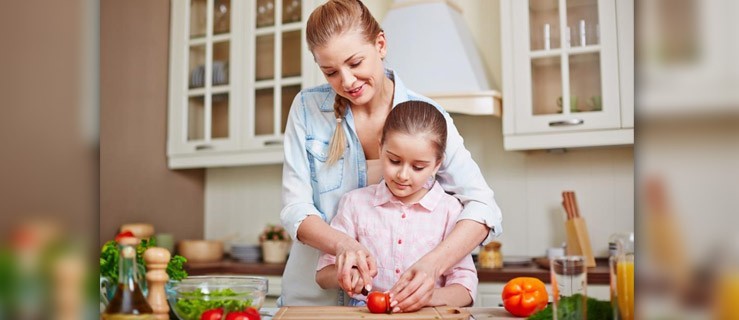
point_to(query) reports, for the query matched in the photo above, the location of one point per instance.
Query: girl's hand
(351, 254)
(357, 283)
(415, 288)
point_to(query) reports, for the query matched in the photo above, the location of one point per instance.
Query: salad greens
(596, 309)
(190, 305)
(109, 261)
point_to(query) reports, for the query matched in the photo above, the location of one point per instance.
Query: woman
(332, 147)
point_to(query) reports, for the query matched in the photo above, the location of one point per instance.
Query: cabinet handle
(273, 143)
(203, 147)
(563, 123)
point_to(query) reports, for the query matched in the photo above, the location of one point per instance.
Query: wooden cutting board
(328, 312)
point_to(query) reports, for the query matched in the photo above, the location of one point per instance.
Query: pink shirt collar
(429, 200)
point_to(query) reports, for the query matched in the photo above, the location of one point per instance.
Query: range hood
(432, 50)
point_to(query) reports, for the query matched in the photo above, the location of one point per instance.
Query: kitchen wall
(48, 126)
(528, 185)
(135, 183)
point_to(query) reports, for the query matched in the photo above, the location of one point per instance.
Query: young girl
(407, 214)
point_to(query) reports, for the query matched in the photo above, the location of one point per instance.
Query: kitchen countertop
(476, 313)
(597, 275)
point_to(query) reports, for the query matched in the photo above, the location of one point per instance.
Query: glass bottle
(129, 302)
(619, 245)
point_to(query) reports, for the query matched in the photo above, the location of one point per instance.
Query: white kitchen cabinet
(688, 54)
(235, 67)
(567, 73)
(490, 294)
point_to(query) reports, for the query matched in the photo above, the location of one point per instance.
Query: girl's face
(408, 161)
(352, 66)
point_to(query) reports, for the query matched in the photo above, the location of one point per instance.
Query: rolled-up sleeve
(297, 191)
(461, 176)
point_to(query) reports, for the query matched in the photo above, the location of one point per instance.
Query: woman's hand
(351, 255)
(415, 288)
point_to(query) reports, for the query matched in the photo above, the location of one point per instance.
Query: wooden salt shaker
(156, 277)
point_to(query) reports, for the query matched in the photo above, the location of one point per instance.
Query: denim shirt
(310, 187)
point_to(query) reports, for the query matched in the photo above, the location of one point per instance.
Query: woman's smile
(356, 92)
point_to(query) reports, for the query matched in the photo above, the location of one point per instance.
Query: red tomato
(124, 234)
(212, 314)
(254, 313)
(248, 314)
(378, 302)
(524, 296)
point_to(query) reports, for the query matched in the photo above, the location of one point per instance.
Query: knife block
(578, 240)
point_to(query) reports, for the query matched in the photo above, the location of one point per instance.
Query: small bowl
(190, 297)
(201, 250)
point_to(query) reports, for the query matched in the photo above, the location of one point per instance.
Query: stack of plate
(246, 252)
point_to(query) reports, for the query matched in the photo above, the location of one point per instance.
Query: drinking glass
(625, 285)
(569, 280)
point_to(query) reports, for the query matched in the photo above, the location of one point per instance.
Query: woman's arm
(454, 295)
(299, 215)
(461, 176)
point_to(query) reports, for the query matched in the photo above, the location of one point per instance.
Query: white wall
(528, 185)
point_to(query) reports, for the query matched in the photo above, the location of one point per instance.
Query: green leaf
(109, 261)
(570, 308)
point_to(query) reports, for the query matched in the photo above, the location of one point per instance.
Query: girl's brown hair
(327, 21)
(417, 118)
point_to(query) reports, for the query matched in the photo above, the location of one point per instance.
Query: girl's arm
(454, 295)
(413, 290)
(326, 279)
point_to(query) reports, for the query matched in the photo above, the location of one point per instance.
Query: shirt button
(397, 270)
(400, 241)
(403, 216)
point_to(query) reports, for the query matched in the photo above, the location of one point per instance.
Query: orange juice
(728, 295)
(625, 287)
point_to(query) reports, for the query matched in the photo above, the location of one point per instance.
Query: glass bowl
(192, 296)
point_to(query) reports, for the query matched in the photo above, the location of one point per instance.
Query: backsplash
(527, 185)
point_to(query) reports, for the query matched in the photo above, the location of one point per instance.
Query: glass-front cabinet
(561, 74)
(235, 67)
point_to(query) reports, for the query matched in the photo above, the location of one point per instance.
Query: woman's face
(407, 163)
(352, 66)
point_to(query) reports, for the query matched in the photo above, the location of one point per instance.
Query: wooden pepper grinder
(156, 276)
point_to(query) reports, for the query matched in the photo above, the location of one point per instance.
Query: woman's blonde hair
(327, 21)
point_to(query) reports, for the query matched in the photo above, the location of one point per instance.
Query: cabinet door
(565, 66)
(278, 61)
(202, 114)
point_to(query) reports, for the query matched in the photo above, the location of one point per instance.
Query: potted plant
(275, 244)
